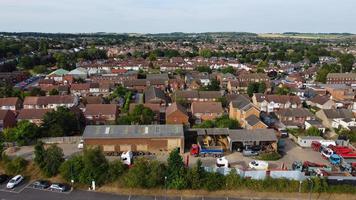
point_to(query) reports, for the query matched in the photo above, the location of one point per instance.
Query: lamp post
(165, 187)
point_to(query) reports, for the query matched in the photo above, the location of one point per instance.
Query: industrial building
(136, 138)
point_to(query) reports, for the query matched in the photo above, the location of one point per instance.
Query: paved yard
(27, 152)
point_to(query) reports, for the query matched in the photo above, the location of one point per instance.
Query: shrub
(15, 166)
(271, 156)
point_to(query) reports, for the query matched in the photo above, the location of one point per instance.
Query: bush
(116, 169)
(214, 181)
(15, 166)
(271, 156)
(71, 168)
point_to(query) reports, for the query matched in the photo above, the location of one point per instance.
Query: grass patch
(271, 156)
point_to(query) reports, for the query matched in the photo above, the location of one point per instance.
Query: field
(305, 36)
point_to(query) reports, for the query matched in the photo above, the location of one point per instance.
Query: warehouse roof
(261, 135)
(132, 131)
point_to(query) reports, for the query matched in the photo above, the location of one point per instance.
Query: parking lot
(27, 185)
(292, 152)
(16, 189)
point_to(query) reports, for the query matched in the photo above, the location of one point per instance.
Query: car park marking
(29, 186)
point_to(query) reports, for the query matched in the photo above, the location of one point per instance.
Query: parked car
(258, 164)
(284, 134)
(81, 144)
(3, 178)
(41, 184)
(59, 187)
(249, 152)
(14, 181)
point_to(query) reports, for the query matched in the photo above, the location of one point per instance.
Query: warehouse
(261, 137)
(136, 138)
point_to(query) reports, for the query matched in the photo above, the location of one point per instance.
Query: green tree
(40, 154)
(204, 69)
(206, 53)
(139, 115)
(116, 169)
(53, 92)
(196, 175)
(72, 168)
(37, 92)
(214, 85)
(15, 166)
(176, 171)
(61, 122)
(347, 61)
(40, 69)
(137, 175)
(95, 167)
(283, 91)
(226, 122)
(52, 161)
(213, 181)
(23, 133)
(228, 69)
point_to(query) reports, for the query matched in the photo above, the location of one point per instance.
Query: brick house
(10, 103)
(7, 119)
(50, 102)
(101, 113)
(33, 115)
(294, 117)
(341, 78)
(203, 111)
(272, 103)
(176, 114)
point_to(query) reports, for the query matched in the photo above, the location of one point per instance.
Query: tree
(226, 122)
(283, 91)
(52, 161)
(214, 85)
(72, 168)
(23, 133)
(195, 176)
(116, 169)
(261, 66)
(256, 87)
(53, 92)
(325, 70)
(37, 92)
(139, 115)
(206, 53)
(95, 167)
(347, 61)
(40, 69)
(204, 69)
(61, 122)
(40, 154)
(176, 171)
(228, 69)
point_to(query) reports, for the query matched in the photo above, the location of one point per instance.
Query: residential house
(341, 78)
(322, 102)
(7, 119)
(294, 117)
(203, 111)
(341, 92)
(314, 123)
(245, 79)
(50, 102)
(10, 103)
(233, 87)
(33, 115)
(272, 103)
(176, 114)
(156, 96)
(78, 73)
(337, 118)
(193, 95)
(225, 78)
(242, 110)
(100, 114)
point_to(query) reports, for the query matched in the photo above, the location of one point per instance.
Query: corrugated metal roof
(243, 135)
(133, 131)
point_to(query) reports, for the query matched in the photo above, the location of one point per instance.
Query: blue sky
(154, 16)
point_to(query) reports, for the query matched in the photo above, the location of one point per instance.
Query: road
(33, 194)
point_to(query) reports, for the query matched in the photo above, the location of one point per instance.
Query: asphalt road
(34, 194)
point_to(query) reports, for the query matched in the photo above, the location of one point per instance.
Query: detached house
(50, 102)
(337, 118)
(272, 103)
(97, 114)
(176, 114)
(246, 113)
(10, 103)
(203, 111)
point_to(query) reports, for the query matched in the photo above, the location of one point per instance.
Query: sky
(163, 16)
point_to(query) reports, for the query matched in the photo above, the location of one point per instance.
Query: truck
(310, 167)
(339, 161)
(203, 151)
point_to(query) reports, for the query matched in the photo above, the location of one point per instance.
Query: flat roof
(132, 131)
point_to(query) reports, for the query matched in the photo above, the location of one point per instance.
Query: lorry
(310, 167)
(199, 150)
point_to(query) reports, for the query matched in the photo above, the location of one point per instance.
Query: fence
(62, 140)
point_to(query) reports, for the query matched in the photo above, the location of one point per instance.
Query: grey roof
(338, 113)
(310, 137)
(213, 131)
(157, 76)
(259, 135)
(252, 120)
(153, 93)
(294, 112)
(132, 131)
(241, 102)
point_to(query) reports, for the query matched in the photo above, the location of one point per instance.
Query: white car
(81, 144)
(58, 187)
(14, 181)
(257, 164)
